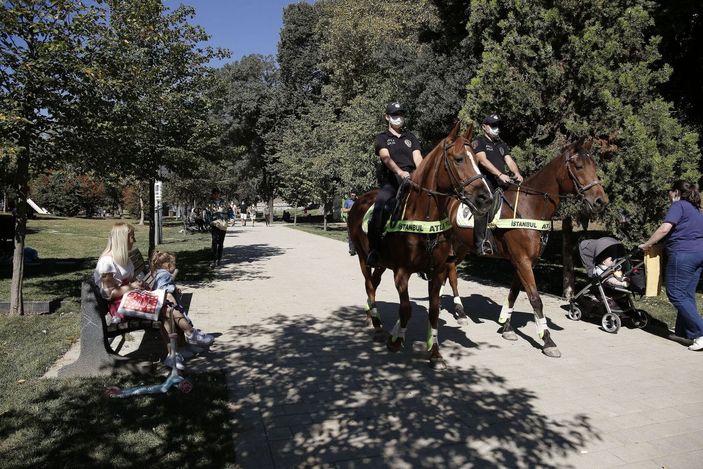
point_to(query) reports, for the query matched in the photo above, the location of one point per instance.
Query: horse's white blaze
(478, 171)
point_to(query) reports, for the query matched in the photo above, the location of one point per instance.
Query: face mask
(492, 131)
(396, 121)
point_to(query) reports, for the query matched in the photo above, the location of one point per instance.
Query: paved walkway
(312, 386)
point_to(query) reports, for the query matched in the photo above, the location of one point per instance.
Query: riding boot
(483, 244)
(373, 258)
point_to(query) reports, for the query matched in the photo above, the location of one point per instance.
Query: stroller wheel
(640, 319)
(611, 322)
(574, 313)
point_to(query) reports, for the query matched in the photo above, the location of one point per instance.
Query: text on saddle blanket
(408, 226)
(465, 219)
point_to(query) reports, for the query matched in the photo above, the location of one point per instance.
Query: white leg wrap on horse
(374, 313)
(457, 301)
(398, 332)
(505, 313)
(432, 337)
(541, 324)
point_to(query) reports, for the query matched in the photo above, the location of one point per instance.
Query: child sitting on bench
(163, 267)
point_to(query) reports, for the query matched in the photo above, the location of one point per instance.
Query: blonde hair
(118, 243)
(159, 259)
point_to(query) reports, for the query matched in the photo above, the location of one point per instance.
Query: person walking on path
(346, 206)
(400, 154)
(218, 225)
(682, 232)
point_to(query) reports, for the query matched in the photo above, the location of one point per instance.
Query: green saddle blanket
(408, 226)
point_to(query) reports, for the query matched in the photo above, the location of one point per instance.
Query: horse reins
(457, 184)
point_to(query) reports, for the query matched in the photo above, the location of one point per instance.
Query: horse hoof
(551, 352)
(463, 321)
(394, 346)
(510, 335)
(378, 329)
(438, 363)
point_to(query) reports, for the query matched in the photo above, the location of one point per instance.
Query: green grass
(69, 248)
(68, 423)
(548, 273)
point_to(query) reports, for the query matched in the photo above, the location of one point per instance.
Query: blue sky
(242, 26)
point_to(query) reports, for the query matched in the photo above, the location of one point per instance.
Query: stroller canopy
(592, 250)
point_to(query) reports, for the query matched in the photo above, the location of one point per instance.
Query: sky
(242, 26)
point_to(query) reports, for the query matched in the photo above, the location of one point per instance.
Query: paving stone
(310, 385)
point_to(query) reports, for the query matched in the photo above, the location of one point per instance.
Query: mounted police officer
(400, 154)
(493, 155)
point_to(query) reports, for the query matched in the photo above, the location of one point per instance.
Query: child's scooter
(174, 379)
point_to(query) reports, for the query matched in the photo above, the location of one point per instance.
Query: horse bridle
(580, 189)
(457, 184)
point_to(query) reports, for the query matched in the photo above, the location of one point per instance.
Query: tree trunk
(152, 224)
(16, 297)
(270, 214)
(567, 250)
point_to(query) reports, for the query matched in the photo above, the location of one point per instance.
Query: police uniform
(400, 149)
(495, 153)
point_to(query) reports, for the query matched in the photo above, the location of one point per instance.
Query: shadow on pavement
(311, 392)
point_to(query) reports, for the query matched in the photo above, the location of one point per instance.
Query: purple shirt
(687, 233)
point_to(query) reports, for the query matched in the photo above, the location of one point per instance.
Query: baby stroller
(612, 303)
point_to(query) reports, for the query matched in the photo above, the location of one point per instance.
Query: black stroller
(612, 303)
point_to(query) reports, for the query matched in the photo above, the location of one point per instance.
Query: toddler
(617, 279)
(163, 266)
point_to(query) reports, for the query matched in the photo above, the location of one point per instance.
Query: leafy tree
(157, 78)
(46, 81)
(63, 193)
(247, 113)
(558, 70)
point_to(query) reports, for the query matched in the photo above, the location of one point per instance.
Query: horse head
(580, 175)
(460, 175)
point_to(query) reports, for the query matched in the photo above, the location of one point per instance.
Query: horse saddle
(465, 217)
(393, 222)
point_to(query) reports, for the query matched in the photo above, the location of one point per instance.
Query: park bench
(98, 354)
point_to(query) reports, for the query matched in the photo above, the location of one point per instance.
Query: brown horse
(572, 173)
(448, 171)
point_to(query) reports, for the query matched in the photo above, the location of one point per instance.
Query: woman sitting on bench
(114, 276)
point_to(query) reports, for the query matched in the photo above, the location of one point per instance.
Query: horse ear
(469, 133)
(587, 143)
(455, 131)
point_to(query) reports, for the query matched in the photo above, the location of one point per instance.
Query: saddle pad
(465, 218)
(408, 226)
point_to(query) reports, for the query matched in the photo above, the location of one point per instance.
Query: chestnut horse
(571, 174)
(448, 171)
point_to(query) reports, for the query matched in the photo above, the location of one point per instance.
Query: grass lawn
(68, 423)
(548, 272)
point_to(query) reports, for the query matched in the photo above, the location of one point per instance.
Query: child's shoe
(199, 338)
(169, 361)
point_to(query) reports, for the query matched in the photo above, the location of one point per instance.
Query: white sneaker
(180, 363)
(697, 344)
(200, 338)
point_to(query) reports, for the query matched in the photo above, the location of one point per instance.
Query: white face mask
(396, 121)
(492, 131)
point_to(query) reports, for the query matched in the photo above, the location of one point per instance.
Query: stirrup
(486, 249)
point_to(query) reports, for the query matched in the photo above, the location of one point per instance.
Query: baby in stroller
(613, 280)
